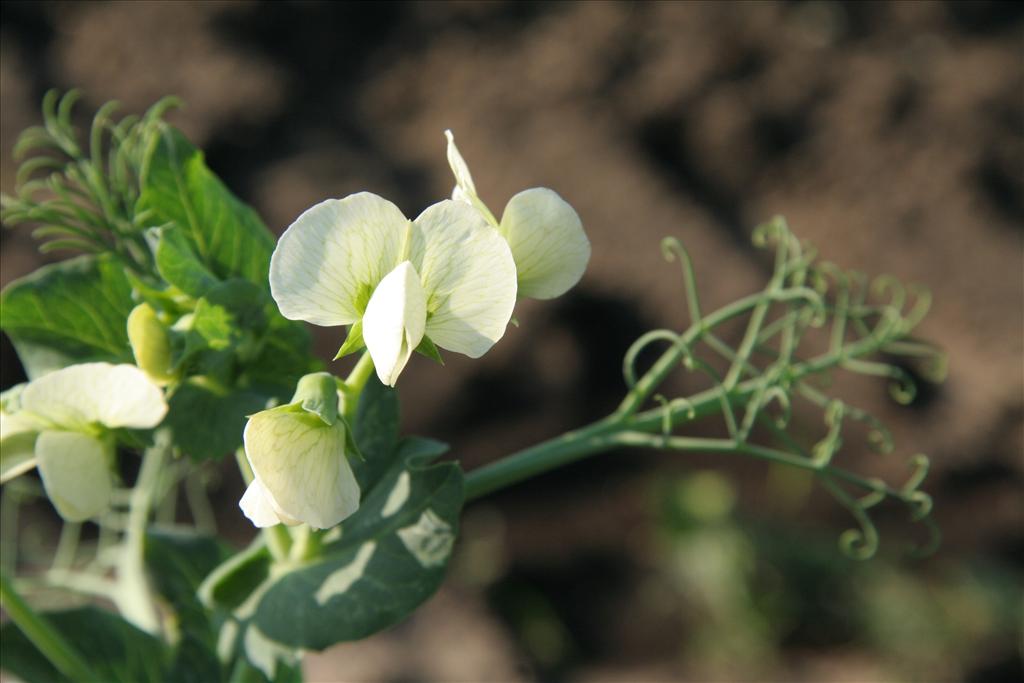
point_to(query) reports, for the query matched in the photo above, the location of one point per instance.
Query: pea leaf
(113, 648)
(178, 561)
(377, 567)
(208, 422)
(375, 429)
(228, 237)
(178, 264)
(68, 312)
(391, 557)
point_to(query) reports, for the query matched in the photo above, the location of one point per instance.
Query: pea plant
(175, 337)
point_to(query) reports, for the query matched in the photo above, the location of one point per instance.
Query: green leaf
(353, 341)
(69, 312)
(178, 263)
(391, 557)
(244, 672)
(213, 324)
(208, 422)
(178, 562)
(113, 648)
(283, 357)
(226, 234)
(230, 317)
(227, 586)
(428, 349)
(375, 429)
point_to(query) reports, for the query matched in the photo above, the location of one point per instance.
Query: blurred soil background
(890, 135)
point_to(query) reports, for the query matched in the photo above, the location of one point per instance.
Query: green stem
(356, 379)
(353, 385)
(538, 459)
(43, 635)
(133, 597)
(605, 435)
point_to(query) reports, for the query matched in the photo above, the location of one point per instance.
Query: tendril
(766, 367)
(637, 347)
(825, 450)
(671, 249)
(897, 291)
(922, 304)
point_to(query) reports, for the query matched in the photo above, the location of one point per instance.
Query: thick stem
(538, 459)
(44, 636)
(605, 434)
(133, 596)
(356, 379)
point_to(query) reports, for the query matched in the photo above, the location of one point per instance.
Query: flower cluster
(63, 424)
(449, 278)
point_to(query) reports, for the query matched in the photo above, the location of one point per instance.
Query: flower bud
(151, 344)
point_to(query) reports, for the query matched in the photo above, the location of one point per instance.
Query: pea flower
(443, 279)
(544, 232)
(61, 424)
(297, 456)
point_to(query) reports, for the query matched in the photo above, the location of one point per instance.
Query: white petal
(464, 187)
(75, 469)
(328, 261)
(468, 275)
(17, 444)
(547, 240)
(258, 506)
(300, 461)
(112, 395)
(394, 321)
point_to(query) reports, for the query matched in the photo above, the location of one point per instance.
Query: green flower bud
(151, 344)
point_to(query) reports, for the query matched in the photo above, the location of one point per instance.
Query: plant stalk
(43, 635)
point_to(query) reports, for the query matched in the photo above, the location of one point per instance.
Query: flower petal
(300, 462)
(18, 433)
(468, 275)
(328, 261)
(463, 179)
(465, 189)
(75, 469)
(79, 395)
(547, 240)
(258, 506)
(394, 321)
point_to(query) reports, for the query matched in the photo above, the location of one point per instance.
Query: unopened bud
(151, 344)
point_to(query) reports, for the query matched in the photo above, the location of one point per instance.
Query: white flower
(300, 472)
(60, 423)
(445, 277)
(545, 234)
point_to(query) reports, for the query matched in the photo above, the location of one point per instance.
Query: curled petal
(394, 321)
(468, 276)
(89, 393)
(17, 445)
(258, 506)
(75, 469)
(300, 463)
(465, 189)
(328, 261)
(464, 185)
(546, 236)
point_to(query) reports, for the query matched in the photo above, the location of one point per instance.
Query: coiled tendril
(867, 323)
